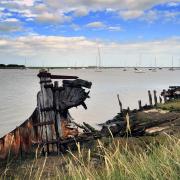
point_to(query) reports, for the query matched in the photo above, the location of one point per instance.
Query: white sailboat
(125, 67)
(155, 68)
(172, 64)
(136, 70)
(98, 62)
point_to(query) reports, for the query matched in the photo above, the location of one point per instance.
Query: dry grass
(122, 158)
(173, 105)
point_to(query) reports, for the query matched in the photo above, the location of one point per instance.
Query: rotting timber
(148, 119)
(51, 126)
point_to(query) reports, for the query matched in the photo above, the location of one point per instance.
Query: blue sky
(68, 32)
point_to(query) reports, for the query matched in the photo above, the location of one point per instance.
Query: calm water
(18, 89)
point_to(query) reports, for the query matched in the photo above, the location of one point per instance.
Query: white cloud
(171, 15)
(104, 4)
(57, 44)
(27, 2)
(101, 25)
(114, 28)
(173, 4)
(56, 10)
(131, 14)
(95, 25)
(81, 11)
(151, 16)
(28, 45)
(63, 51)
(21, 2)
(41, 8)
(47, 17)
(75, 27)
(11, 20)
(10, 25)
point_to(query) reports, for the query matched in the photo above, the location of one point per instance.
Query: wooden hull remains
(50, 125)
(50, 121)
(21, 138)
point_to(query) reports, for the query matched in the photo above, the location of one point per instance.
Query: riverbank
(144, 157)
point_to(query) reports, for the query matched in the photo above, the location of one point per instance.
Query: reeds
(122, 158)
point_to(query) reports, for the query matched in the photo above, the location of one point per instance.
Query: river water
(18, 90)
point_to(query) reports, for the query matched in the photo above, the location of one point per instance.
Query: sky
(69, 32)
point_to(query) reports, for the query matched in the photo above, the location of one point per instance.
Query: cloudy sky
(69, 32)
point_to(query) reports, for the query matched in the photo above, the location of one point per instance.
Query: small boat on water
(154, 70)
(138, 70)
(172, 63)
(155, 66)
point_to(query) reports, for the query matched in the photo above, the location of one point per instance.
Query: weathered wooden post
(120, 104)
(56, 109)
(150, 98)
(140, 105)
(46, 111)
(155, 98)
(164, 95)
(57, 114)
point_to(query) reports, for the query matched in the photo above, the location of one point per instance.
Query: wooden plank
(44, 123)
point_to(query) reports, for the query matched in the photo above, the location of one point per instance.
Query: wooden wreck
(50, 122)
(51, 126)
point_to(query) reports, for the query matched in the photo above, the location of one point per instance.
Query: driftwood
(142, 119)
(139, 123)
(90, 128)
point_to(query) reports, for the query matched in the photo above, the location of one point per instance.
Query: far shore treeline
(12, 66)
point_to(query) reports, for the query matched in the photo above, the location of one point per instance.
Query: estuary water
(18, 90)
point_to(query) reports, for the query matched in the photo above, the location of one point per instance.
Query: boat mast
(99, 56)
(140, 59)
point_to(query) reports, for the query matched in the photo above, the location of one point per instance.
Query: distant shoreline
(12, 66)
(101, 67)
(80, 67)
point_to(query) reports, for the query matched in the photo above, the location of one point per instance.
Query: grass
(173, 105)
(118, 158)
(127, 158)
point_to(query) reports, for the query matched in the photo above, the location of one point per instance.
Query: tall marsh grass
(131, 158)
(172, 105)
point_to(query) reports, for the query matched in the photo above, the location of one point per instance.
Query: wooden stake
(150, 98)
(155, 98)
(139, 103)
(120, 104)
(164, 95)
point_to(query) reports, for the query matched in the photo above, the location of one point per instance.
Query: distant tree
(12, 65)
(2, 65)
(15, 66)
